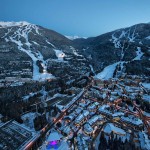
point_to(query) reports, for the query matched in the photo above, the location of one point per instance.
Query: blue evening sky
(77, 17)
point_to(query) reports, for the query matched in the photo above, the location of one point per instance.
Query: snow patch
(60, 55)
(148, 38)
(92, 69)
(50, 43)
(107, 72)
(74, 37)
(116, 41)
(139, 54)
(35, 43)
(11, 24)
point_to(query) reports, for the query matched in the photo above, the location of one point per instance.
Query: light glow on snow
(60, 55)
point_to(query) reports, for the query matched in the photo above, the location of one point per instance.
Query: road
(138, 114)
(49, 126)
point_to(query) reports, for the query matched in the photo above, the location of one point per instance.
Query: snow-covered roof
(118, 114)
(60, 107)
(144, 141)
(102, 109)
(129, 89)
(85, 113)
(146, 85)
(82, 104)
(112, 98)
(92, 106)
(88, 128)
(78, 110)
(66, 130)
(111, 128)
(146, 98)
(28, 115)
(104, 106)
(79, 118)
(93, 119)
(72, 116)
(114, 93)
(54, 136)
(81, 142)
(132, 119)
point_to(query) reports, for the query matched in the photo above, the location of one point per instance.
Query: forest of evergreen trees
(114, 143)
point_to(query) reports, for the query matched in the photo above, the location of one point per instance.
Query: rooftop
(13, 135)
(111, 128)
(54, 136)
(132, 119)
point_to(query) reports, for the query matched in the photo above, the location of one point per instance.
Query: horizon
(83, 19)
(74, 36)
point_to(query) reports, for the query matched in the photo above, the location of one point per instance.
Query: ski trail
(35, 56)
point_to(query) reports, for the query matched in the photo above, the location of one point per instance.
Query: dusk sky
(77, 17)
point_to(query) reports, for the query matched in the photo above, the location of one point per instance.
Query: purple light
(52, 143)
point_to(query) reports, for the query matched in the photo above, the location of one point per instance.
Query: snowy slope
(60, 55)
(139, 54)
(23, 32)
(120, 46)
(107, 72)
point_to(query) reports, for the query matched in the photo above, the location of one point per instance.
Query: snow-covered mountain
(29, 50)
(125, 50)
(11, 24)
(31, 40)
(75, 37)
(33, 51)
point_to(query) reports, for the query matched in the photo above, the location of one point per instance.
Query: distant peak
(74, 37)
(10, 24)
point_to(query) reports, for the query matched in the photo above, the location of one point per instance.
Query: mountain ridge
(127, 46)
